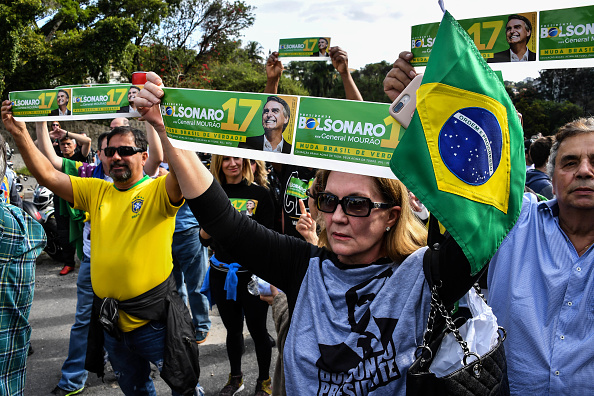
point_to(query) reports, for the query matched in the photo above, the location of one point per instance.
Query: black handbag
(480, 375)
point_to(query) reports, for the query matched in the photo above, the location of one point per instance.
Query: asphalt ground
(52, 315)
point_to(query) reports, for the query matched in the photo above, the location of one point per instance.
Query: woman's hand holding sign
(400, 76)
(148, 97)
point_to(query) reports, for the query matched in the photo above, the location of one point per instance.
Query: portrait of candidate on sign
(276, 116)
(518, 32)
(323, 47)
(63, 100)
(131, 108)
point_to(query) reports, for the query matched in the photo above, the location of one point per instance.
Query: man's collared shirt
(515, 58)
(22, 241)
(268, 146)
(542, 293)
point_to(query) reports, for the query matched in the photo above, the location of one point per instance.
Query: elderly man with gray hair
(541, 282)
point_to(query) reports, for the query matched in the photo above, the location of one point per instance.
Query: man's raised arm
(41, 168)
(400, 76)
(45, 145)
(84, 142)
(340, 61)
(155, 151)
(193, 178)
(274, 71)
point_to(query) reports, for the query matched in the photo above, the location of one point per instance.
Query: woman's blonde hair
(261, 175)
(407, 235)
(216, 168)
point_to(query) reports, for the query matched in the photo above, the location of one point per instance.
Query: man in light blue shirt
(541, 280)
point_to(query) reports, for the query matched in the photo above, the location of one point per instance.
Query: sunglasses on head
(123, 151)
(351, 205)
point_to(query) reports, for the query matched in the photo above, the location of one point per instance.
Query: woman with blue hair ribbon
(226, 284)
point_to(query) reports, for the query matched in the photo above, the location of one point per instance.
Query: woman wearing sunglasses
(228, 280)
(360, 304)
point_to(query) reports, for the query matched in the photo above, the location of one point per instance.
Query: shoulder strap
(446, 266)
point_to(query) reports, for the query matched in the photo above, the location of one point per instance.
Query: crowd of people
(162, 238)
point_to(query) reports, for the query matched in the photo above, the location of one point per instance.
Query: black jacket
(257, 143)
(181, 369)
(505, 56)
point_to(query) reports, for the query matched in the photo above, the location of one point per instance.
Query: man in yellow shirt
(132, 224)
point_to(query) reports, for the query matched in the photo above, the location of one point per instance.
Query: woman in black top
(235, 175)
(359, 305)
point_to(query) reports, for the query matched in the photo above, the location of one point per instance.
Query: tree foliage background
(195, 44)
(191, 43)
(558, 96)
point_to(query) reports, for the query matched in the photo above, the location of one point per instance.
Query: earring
(387, 228)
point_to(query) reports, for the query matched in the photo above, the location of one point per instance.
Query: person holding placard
(228, 280)
(360, 304)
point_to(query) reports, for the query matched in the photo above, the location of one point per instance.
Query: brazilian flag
(462, 154)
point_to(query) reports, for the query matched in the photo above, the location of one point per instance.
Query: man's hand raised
(274, 67)
(148, 100)
(400, 76)
(340, 60)
(13, 126)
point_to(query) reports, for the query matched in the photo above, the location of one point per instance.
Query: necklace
(585, 248)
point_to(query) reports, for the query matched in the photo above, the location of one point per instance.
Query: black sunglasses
(123, 151)
(56, 125)
(309, 193)
(351, 205)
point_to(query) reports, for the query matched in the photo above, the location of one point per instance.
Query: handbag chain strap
(437, 305)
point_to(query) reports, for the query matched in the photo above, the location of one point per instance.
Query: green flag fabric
(462, 154)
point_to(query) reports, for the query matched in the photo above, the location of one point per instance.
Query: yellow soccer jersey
(131, 235)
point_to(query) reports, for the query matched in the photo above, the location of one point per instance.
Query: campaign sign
(422, 38)
(356, 132)
(231, 119)
(75, 103)
(105, 99)
(567, 33)
(41, 103)
(333, 134)
(493, 37)
(314, 48)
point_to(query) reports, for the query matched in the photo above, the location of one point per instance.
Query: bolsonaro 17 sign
(567, 33)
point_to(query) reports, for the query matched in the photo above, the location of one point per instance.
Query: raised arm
(155, 151)
(274, 70)
(340, 61)
(259, 248)
(400, 76)
(41, 168)
(45, 145)
(84, 142)
(189, 172)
